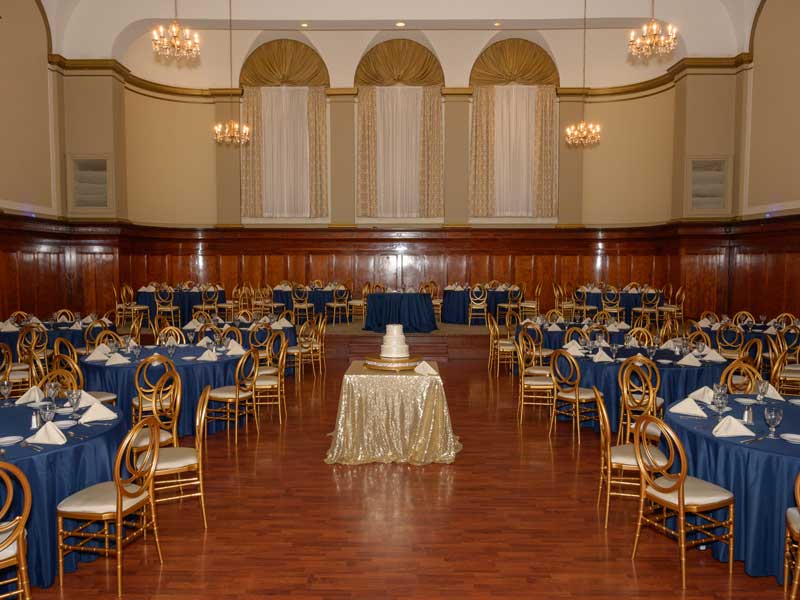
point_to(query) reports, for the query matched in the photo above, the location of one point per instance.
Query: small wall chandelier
(652, 40)
(583, 134)
(175, 41)
(231, 131)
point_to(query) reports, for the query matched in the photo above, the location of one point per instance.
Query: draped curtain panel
(514, 61)
(252, 155)
(545, 153)
(431, 156)
(481, 153)
(284, 62)
(399, 61)
(367, 150)
(515, 135)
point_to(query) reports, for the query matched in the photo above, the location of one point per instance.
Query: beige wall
(171, 161)
(456, 160)
(25, 150)
(342, 159)
(774, 155)
(627, 177)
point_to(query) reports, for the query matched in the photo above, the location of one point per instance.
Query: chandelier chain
(583, 134)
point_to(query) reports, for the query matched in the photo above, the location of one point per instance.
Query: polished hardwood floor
(513, 517)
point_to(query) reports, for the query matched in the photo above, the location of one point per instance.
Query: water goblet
(137, 351)
(614, 350)
(762, 387)
(217, 340)
(77, 316)
(773, 415)
(5, 390)
(651, 351)
(720, 388)
(762, 318)
(700, 346)
(171, 350)
(720, 401)
(47, 412)
(126, 340)
(190, 336)
(657, 340)
(52, 389)
(628, 339)
(583, 342)
(74, 399)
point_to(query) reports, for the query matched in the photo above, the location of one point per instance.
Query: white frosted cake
(394, 343)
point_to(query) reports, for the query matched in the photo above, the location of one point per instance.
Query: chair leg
(638, 527)
(608, 496)
(682, 545)
(22, 567)
(731, 531)
(119, 527)
(202, 495)
(60, 525)
(795, 579)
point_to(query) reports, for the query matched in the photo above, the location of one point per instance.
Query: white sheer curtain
(514, 142)
(286, 160)
(398, 126)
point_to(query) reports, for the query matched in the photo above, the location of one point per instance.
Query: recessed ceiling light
(497, 23)
(400, 24)
(303, 24)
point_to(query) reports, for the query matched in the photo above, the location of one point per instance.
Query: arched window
(284, 167)
(514, 127)
(400, 146)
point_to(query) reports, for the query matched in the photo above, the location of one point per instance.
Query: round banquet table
(184, 300)
(455, 305)
(413, 311)
(289, 332)
(195, 375)
(555, 339)
(754, 333)
(627, 301)
(54, 474)
(319, 298)
(761, 476)
(54, 331)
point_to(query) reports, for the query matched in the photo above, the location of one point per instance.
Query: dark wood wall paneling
(46, 264)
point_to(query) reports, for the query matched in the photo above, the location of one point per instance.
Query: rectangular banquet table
(387, 416)
(413, 311)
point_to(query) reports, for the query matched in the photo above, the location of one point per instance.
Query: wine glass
(720, 388)
(137, 351)
(614, 350)
(628, 338)
(74, 399)
(583, 342)
(720, 402)
(773, 415)
(126, 340)
(47, 412)
(762, 387)
(190, 336)
(5, 390)
(651, 351)
(52, 389)
(700, 346)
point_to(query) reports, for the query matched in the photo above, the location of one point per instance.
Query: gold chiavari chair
(64, 347)
(791, 554)
(611, 303)
(790, 337)
(785, 319)
(566, 302)
(64, 378)
(90, 334)
(698, 335)
(511, 324)
(436, 299)
(300, 353)
(318, 343)
(533, 363)
(710, 316)
(644, 322)
(63, 361)
(575, 333)
(19, 380)
(301, 305)
(502, 349)
(784, 379)
(619, 471)
(269, 389)
(673, 310)
(669, 329)
(165, 306)
(650, 299)
(107, 336)
(529, 307)
(269, 300)
(231, 304)
(378, 288)
(667, 491)
(130, 306)
(358, 306)
(209, 298)
(127, 503)
(135, 331)
(478, 307)
(64, 315)
(175, 334)
(740, 377)
(260, 337)
(642, 336)
(534, 390)
(752, 352)
(515, 297)
(246, 297)
(537, 337)
(288, 315)
(17, 499)
(666, 294)
(639, 385)
(19, 316)
(603, 317)
(571, 400)
(742, 317)
(165, 403)
(583, 310)
(493, 284)
(338, 307)
(730, 338)
(268, 362)
(231, 402)
(244, 315)
(146, 377)
(179, 470)
(233, 333)
(554, 316)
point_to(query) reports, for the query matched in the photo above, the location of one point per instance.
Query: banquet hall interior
(399, 300)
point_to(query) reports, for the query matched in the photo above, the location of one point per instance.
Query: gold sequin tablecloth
(392, 417)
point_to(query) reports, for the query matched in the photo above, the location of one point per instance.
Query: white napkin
(602, 357)
(730, 427)
(716, 326)
(668, 345)
(560, 320)
(623, 326)
(771, 330)
(634, 343)
(195, 289)
(612, 329)
(192, 325)
(687, 406)
(34, 394)
(8, 327)
(48, 434)
(704, 394)
(76, 326)
(572, 345)
(284, 322)
(35, 321)
(424, 368)
(87, 320)
(218, 321)
(98, 412)
(689, 361)
(97, 354)
(87, 399)
(142, 289)
(62, 319)
(235, 349)
(713, 355)
(103, 348)
(204, 341)
(595, 290)
(554, 327)
(105, 321)
(704, 323)
(458, 288)
(574, 352)
(208, 355)
(773, 394)
(117, 359)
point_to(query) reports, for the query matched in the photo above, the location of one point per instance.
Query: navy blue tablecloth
(74, 336)
(289, 332)
(627, 302)
(760, 475)
(455, 305)
(195, 375)
(555, 339)
(186, 301)
(755, 333)
(54, 474)
(319, 298)
(413, 311)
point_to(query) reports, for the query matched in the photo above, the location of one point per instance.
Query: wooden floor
(513, 517)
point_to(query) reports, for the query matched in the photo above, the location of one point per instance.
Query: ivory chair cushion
(175, 458)
(538, 371)
(228, 392)
(17, 376)
(136, 401)
(538, 382)
(695, 492)
(626, 455)
(20, 366)
(100, 498)
(506, 345)
(143, 438)
(659, 401)
(583, 394)
(267, 371)
(793, 519)
(11, 550)
(297, 350)
(104, 397)
(356, 302)
(266, 381)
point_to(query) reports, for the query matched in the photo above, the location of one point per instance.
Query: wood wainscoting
(48, 264)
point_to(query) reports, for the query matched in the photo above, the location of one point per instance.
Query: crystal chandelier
(583, 134)
(175, 41)
(231, 131)
(653, 40)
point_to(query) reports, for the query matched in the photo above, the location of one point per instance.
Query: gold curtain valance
(514, 61)
(399, 61)
(284, 62)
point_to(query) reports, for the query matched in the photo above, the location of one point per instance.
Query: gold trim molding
(341, 92)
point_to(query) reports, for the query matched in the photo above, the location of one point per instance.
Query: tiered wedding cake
(394, 343)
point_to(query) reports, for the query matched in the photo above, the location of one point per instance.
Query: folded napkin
(773, 394)
(87, 400)
(633, 290)
(634, 343)
(572, 345)
(771, 330)
(195, 289)
(689, 361)
(62, 319)
(449, 287)
(527, 322)
(713, 355)
(716, 326)
(97, 412)
(97, 354)
(235, 349)
(76, 326)
(209, 356)
(142, 289)
(117, 359)
(105, 321)
(668, 345)
(704, 323)
(605, 344)
(595, 290)
(687, 406)
(553, 327)
(192, 325)
(218, 321)
(573, 352)
(425, 368)
(771, 322)
(560, 320)
(35, 321)
(264, 320)
(458, 288)
(502, 288)
(204, 341)
(87, 320)
(704, 394)
(602, 357)
(623, 326)
(48, 434)
(103, 348)
(284, 322)
(730, 427)
(34, 394)
(612, 329)
(8, 327)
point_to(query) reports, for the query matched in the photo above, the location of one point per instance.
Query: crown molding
(341, 91)
(457, 91)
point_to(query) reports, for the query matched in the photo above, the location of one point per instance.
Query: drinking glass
(773, 415)
(762, 318)
(657, 340)
(52, 389)
(74, 399)
(583, 343)
(651, 351)
(190, 336)
(47, 411)
(628, 339)
(126, 339)
(720, 388)
(700, 346)
(5, 390)
(720, 402)
(171, 350)
(137, 351)
(614, 349)
(762, 387)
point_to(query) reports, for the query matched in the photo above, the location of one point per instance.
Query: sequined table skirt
(392, 417)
